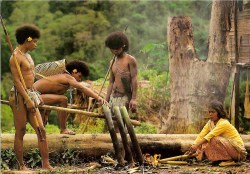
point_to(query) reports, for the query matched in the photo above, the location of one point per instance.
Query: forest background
(77, 30)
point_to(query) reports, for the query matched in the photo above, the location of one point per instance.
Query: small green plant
(67, 157)
(8, 159)
(33, 158)
(146, 128)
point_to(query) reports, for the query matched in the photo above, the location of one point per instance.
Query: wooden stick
(75, 111)
(177, 162)
(177, 157)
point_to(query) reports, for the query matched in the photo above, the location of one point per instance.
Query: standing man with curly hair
(23, 98)
(52, 89)
(122, 88)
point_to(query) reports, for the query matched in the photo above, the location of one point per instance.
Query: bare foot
(131, 164)
(24, 168)
(67, 131)
(47, 167)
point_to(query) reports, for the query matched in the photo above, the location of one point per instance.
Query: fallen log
(167, 145)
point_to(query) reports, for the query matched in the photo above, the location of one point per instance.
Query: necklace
(24, 54)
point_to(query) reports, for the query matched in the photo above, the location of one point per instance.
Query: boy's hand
(133, 105)
(31, 105)
(102, 101)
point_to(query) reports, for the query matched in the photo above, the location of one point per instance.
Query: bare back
(56, 84)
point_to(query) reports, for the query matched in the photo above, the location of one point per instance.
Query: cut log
(167, 145)
(110, 124)
(131, 132)
(123, 135)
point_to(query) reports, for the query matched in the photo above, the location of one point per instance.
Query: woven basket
(50, 68)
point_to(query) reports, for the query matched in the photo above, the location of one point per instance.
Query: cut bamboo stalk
(176, 158)
(173, 158)
(131, 132)
(177, 162)
(113, 135)
(123, 135)
(108, 159)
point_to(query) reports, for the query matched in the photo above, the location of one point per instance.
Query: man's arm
(72, 82)
(134, 83)
(110, 86)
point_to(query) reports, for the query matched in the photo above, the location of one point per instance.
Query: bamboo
(108, 159)
(177, 162)
(177, 158)
(113, 135)
(123, 135)
(75, 111)
(131, 132)
(173, 158)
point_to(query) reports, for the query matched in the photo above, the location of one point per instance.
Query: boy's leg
(42, 144)
(20, 119)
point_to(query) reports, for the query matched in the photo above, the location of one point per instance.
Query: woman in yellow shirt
(219, 140)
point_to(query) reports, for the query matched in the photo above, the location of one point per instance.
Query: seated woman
(219, 140)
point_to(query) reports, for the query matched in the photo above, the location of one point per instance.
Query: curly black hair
(25, 31)
(117, 40)
(80, 66)
(219, 108)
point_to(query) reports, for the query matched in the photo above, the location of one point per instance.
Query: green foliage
(6, 85)
(156, 57)
(77, 30)
(95, 126)
(8, 159)
(33, 158)
(67, 157)
(6, 118)
(146, 128)
(51, 129)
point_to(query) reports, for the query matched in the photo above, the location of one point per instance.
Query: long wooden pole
(37, 124)
(75, 111)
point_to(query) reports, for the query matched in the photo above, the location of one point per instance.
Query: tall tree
(194, 83)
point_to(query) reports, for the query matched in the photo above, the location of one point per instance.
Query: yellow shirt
(223, 128)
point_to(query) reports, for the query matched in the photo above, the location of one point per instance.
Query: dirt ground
(192, 167)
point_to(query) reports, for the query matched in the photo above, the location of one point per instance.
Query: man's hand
(101, 100)
(30, 105)
(132, 105)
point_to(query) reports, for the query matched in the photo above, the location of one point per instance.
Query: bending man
(53, 87)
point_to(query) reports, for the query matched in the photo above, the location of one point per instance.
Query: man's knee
(20, 132)
(63, 101)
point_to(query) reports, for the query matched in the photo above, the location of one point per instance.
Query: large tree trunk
(100, 144)
(194, 83)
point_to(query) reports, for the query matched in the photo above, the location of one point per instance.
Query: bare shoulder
(61, 77)
(131, 58)
(16, 56)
